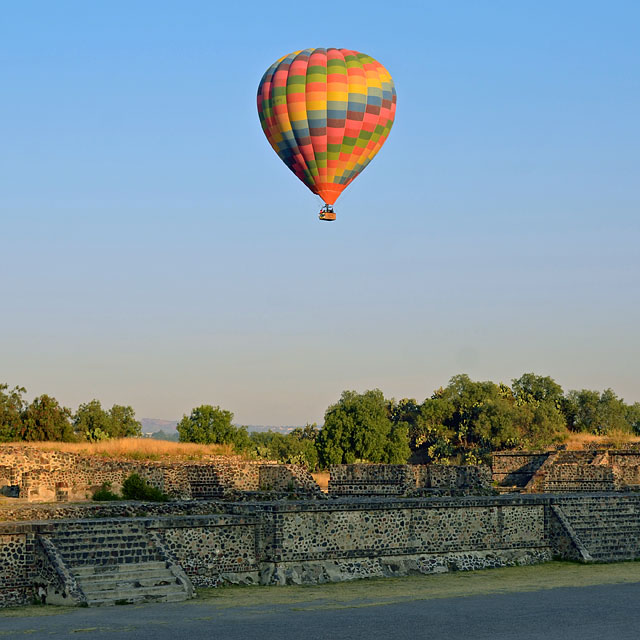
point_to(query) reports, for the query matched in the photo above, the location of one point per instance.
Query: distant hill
(278, 428)
(154, 425)
(151, 425)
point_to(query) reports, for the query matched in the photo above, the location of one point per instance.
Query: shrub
(137, 488)
(104, 493)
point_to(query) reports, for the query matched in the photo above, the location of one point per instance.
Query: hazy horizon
(156, 252)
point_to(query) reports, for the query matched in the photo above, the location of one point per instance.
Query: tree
(599, 413)
(612, 414)
(633, 417)
(357, 428)
(431, 433)
(543, 396)
(45, 419)
(11, 406)
(91, 422)
(289, 448)
(208, 425)
(122, 422)
(308, 432)
(581, 410)
(530, 387)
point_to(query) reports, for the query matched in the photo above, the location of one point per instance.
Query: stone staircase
(608, 529)
(116, 562)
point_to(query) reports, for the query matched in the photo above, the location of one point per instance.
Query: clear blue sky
(154, 251)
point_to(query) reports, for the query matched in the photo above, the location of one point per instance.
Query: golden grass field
(576, 441)
(149, 449)
(139, 449)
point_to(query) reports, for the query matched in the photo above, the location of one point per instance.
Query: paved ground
(362, 611)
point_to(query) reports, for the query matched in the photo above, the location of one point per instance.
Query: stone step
(73, 547)
(591, 507)
(118, 569)
(105, 585)
(138, 596)
(107, 588)
(614, 557)
(626, 518)
(602, 515)
(600, 526)
(109, 557)
(96, 532)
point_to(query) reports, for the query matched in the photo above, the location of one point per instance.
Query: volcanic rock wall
(568, 471)
(47, 475)
(408, 480)
(309, 542)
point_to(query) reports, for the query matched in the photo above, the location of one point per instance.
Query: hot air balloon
(326, 113)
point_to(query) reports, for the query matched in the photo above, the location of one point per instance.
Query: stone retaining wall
(568, 471)
(406, 480)
(310, 542)
(578, 477)
(47, 475)
(515, 469)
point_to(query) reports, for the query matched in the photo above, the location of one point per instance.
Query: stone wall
(626, 465)
(516, 468)
(370, 479)
(407, 480)
(17, 567)
(47, 475)
(309, 542)
(568, 471)
(568, 478)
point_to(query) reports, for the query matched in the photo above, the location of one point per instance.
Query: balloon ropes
(326, 113)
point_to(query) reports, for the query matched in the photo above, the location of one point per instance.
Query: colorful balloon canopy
(326, 113)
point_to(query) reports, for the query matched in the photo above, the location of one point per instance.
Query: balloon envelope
(326, 113)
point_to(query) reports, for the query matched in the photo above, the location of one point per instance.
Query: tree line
(460, 423)
(45, 419)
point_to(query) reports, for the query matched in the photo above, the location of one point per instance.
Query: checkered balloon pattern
(326, 113)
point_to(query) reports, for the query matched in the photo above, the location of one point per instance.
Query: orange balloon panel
(326, 113)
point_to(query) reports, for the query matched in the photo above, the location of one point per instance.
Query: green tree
(11, 406)
(208, 425)
(544, 398)
(289, 448)
(358, 428)
(633, 417)
(581, 410)
(308, 432)
(486, 417)
(122, 422)
(599, 413)
(432, 433)
(530, 387)
(45, 419)
(91, 422)
(612, 414)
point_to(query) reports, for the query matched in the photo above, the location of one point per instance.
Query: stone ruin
(48, 475)
(38, 475)
(561, 471)
(411, 480)
(229, 523)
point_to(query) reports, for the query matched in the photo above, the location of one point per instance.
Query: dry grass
(322, 478)
(139, 449)
(576, 441)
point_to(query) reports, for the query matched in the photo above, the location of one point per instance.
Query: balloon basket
(327, 213)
